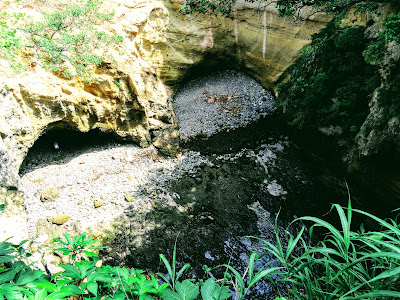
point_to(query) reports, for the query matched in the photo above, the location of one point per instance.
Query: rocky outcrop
(254, 38)
(132, 97)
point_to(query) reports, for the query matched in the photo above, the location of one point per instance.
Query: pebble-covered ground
(220, 102)
(98, 185)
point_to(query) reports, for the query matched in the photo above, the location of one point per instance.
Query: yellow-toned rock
(50, 194)
(61, 219)
(132, 94)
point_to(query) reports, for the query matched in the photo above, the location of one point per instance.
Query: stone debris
(221, 101)
(49, 195)
(134, 176)
(98, 204)
(61, 219)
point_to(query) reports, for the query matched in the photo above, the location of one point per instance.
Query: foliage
(77, 244)
(285, 7)
(10, 42)
(345, 264)
(331, 84)
(376, 51)
(171, 268)
(203, 6)
(66, 41)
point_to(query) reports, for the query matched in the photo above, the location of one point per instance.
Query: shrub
(331, 84)
(66, 41)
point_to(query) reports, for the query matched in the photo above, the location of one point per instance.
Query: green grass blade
(262, 274)
(345, 228)
(167, 265)
(253, 258)
(394, 229)
(292, 243)
(326, 225)
(181, 271)
(375, 295)
(238, 277)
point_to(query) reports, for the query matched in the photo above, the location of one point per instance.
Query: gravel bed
(116, 176)
(220, 102)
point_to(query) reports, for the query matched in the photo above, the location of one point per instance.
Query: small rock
(50, 219)
(34, 249)
(61, 219)
(116, 156)
(80, 202)
(65, 259)
(98, 204)
(50, 194)
(210, 99)
(129, 198)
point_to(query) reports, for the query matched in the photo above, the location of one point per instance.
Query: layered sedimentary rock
(133, 95)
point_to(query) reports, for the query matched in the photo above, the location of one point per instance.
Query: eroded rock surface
(133, 95)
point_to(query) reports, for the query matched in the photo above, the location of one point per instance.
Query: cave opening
(210, 64)
(70, 143)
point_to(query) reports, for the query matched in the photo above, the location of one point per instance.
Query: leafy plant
(345, 264)
(10, 42)
(66, 41)
(77, 245)
(331, 84)
(171, 268)
(242, 286)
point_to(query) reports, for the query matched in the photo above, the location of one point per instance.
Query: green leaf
(48, 286)
(75, 290)
(170, 295)
(68, 238)
(71, 271)
(207, 290)
(92, 287)
(182, 271)
(28, 276)
(41, 295)
(187, 290)
(221, 293)
(7, 276)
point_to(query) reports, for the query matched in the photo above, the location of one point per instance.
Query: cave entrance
(71, 143)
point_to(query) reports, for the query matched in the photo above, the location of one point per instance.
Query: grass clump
(346, 264)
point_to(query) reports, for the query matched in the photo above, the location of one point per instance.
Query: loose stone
(61, 219)
(49, 195)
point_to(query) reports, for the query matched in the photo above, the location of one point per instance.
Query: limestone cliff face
(132, 97)
(254, 38)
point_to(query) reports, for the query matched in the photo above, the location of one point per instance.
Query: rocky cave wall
(134, 92)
